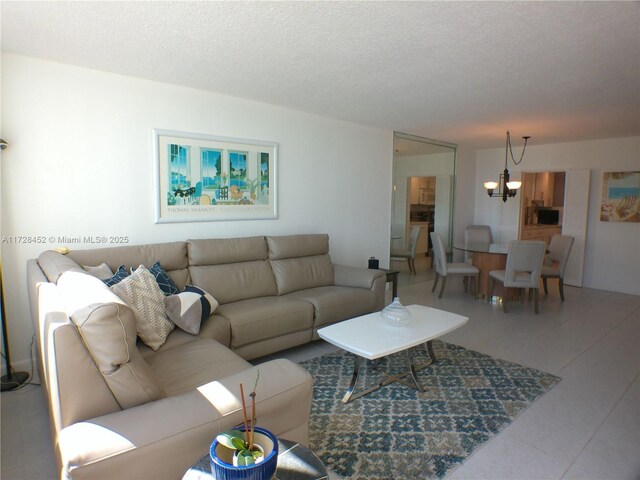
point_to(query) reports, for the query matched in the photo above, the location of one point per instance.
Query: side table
(295, 462)
(392, 276)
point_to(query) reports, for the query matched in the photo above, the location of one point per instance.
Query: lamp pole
(12, 380)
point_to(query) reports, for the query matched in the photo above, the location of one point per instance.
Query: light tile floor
(586, 427)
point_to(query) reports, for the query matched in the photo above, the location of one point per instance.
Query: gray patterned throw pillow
(141, 292)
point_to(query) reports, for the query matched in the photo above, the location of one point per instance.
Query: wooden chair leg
(561, 287)
(544, 284)
(413, 265)
(444, 283)
(409, 263)
(465, 282)
(535, 300)
(435, 282)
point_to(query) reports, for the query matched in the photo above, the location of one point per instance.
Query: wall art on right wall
(620, 197)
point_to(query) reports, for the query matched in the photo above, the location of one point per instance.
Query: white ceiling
(460, 72)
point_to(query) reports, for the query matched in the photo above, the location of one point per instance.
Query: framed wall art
(620, 197)
(201, 178)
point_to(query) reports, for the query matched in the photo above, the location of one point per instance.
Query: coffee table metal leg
(430, 351)
(400, 378)
(412, 370)
(354, 380)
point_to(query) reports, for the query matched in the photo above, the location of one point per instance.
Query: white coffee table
(372, 338)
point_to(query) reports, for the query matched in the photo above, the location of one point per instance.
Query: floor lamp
(12, 380)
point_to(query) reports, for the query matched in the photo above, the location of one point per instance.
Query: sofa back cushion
(172, 257)
(107, 327)
(294, 246)
(54, 264)
(300, 262)
(231, 269)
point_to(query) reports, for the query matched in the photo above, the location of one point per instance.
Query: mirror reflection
(422, 198)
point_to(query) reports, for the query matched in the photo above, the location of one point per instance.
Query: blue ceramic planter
(222, 466)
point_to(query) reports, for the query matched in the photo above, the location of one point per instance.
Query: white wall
(464, 196)
(79, 162)
(612, 253)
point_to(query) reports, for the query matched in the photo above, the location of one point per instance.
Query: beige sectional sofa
(121, 409)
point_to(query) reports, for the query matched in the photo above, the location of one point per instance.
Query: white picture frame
(204, 178)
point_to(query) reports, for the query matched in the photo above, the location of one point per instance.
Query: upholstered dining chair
(476, 237)
(556, 261)
(523, 269)
(444, 269)
(410, 252)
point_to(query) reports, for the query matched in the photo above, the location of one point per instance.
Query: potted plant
(246, 452)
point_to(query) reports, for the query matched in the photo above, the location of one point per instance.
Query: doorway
(542, 205)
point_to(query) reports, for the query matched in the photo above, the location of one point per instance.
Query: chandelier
(506, 188)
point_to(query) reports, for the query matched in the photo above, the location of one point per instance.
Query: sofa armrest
(355, 277)
(373, 280)
(161, 439)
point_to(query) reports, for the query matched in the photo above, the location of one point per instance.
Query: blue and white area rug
(397, 432)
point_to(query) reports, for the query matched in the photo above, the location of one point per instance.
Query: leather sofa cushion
(333, 304)
(172, 256)
(176, 338)
(294, 246)
(235, 281)
(259, 319)
(54, 264)
(183, 369)
(294, 274)
(218, 251)
(107, 327)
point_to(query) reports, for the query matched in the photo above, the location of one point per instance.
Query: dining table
(493, 257)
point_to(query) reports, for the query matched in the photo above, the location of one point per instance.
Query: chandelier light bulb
(490, 185)
(514, 185)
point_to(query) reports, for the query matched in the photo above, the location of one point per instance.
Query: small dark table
(392, 276)
(295, 462)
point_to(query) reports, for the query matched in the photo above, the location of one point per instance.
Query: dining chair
(444, 269)
(410, 252)
(523, 269)
(556, 261)
(476, 237)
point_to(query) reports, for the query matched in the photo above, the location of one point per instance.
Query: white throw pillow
(141, 292)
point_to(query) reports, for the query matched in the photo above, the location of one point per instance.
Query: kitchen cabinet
(537, 232)
(544, 186)
(422, 190)
(558, 189)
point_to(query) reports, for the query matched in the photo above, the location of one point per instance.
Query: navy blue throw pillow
(165, 283)
(120, 274)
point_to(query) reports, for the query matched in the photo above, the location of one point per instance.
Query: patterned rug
(399, 433)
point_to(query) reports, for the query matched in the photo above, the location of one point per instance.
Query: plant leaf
(233, 439)
(238, 443)
(245, 458)
(257, 454)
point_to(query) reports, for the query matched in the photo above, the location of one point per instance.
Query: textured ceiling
(460, 72)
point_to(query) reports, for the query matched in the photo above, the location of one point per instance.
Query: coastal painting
(211, 178)
(620, 197)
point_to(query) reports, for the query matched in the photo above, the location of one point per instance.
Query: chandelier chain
(510, 151)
